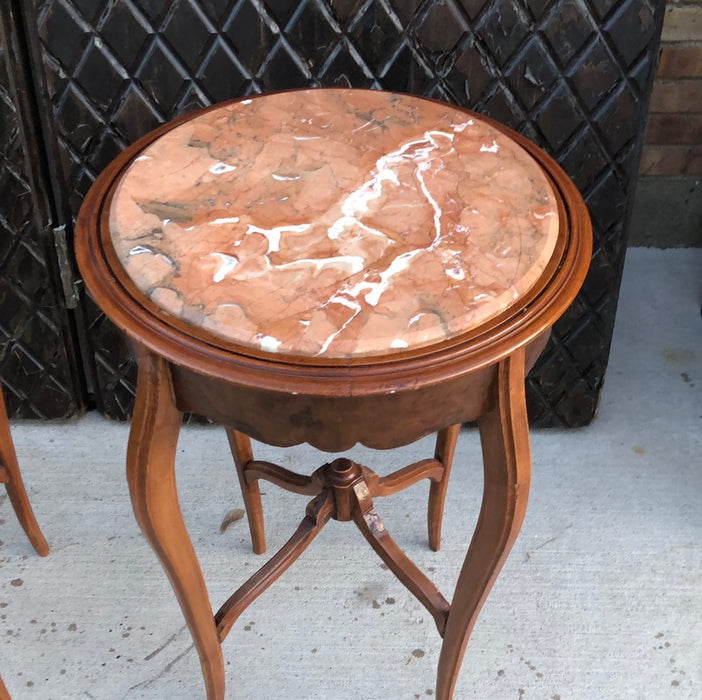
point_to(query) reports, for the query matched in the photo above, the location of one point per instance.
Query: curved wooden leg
(152, 487)
(504, 436)
(445, 448)
(9, 469)
(240, 446)
(319, 511)
(372, 528)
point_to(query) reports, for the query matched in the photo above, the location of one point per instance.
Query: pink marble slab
(335, 223)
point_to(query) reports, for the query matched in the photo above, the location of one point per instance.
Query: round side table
(334, 267)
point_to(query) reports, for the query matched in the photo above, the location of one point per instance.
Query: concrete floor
(600, 599)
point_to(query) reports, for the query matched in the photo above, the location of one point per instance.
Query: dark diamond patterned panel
(35, 369)
(573, 75)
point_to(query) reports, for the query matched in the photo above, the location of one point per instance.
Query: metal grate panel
(572, 75)
(35, 367)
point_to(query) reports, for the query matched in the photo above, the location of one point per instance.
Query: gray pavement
(601, 597)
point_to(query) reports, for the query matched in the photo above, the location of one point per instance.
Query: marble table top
(334, 223)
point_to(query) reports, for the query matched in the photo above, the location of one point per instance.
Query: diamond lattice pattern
(572, 75)
(35, 369)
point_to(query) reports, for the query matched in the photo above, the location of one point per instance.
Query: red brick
(682, 23)
(680, 61)
(694, 161)
(663, 160)
(676, 96)
(674, 128)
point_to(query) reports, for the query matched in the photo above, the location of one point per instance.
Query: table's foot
(12, 478)
(152, 487)
(504, 436)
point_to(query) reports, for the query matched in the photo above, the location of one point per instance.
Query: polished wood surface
(12, 478)
(4, 695)
(382, 401)
(504, 437)
(152, 488)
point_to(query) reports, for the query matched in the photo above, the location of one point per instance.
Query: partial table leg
(445, 447)
(240, 446)
(504, 436)
(150, 474)
(9, 469)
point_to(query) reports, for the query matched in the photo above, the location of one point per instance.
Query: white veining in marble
(335, 223)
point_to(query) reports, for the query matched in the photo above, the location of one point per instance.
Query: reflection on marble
(336, 223)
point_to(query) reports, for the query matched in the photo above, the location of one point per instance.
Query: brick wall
(668, 204)
(674, 137)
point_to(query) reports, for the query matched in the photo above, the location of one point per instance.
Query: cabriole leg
(152, 487)
(15, 486)
(504, 436)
